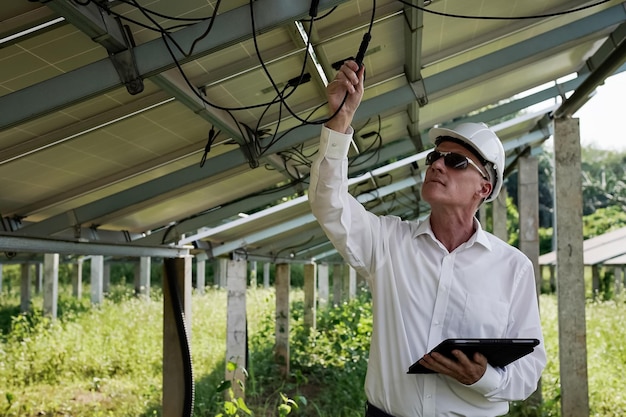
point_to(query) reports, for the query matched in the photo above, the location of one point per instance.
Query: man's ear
(485, 189)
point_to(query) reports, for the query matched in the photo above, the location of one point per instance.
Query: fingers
(463, 369)
(349, 77)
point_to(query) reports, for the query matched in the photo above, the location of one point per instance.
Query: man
(443, 277)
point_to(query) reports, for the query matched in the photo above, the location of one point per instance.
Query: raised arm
(345, 221)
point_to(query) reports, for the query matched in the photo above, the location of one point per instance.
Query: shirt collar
(480, 236)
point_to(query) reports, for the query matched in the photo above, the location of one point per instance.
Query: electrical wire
(252, 139)
(538, 16)
(183, 337)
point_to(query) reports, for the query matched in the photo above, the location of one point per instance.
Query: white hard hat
(485, 143)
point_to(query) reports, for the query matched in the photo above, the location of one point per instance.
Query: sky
(603, 118)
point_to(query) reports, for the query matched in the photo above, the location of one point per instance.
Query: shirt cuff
(489, 382)
(335, 145)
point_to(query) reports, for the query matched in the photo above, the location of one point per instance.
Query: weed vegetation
(106, 361)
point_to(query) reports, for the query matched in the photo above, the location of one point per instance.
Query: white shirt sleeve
(345, 221)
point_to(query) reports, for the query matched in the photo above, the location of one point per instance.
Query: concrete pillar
(200, 276)
(282, 284)
(236, 331)
(528, 200)
(25, 288)
(322, 285)
(106, 277)
(310, 295)
(570, 277)
(499, 215)
(266, 275)
(337, 283)
(179, 271)
(253, 274)
(51, 284)
(349, 282)
(618, 279)
(97, 279)
(77, 279)
(221, 268)
(38, 278)
(144, 276)
(595, 281)
(482, 216)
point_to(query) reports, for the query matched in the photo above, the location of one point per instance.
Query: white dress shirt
(423, 294)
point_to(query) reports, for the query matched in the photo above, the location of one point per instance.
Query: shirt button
(429, 396)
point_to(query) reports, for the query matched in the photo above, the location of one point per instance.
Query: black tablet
(499, 352)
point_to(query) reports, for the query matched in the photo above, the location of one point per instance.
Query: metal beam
(533, 137)
(414, 19)
(92, 21)
(152, 58)
(11, 243)
(369, 108)
(173, 181)
(504, 59)
(611, 56)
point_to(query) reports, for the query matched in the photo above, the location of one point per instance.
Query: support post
(222, 270)
(253, 274)
(144, 276)
(349, 282)
(570, 277)
(50, 284)
(617, 279)
(482, 216)
(97, 273)
(266, 275)
(236, 330)
(337, 283)
(106, 277)
(176, 388)
(528, 198)
(595, 281)
(282, 284)
(39, 271)
(77, 279)
(499, 215)
(25, 288)
(200, 275)
(310, 295)
(322, 285)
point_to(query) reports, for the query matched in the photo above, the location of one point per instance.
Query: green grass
(106, 361)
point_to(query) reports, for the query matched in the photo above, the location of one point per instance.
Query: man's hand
(462, 369)
(348, 80)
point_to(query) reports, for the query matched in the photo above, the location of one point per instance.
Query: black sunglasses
(453, 160)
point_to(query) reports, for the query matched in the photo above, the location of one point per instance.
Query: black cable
(280, 99)
(207, 147)
(538, 16)
(183, 336)
(267, 73)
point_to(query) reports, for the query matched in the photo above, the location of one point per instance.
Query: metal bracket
(126, 65)
(419, 90)
(249, 149)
